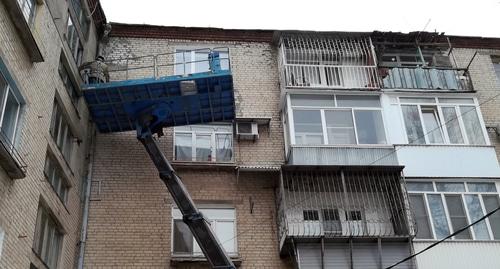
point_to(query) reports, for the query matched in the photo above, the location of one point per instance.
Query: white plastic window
(61, 132)
(222, 221)
(441, 208)
(28, 8)
(203, 143)
(336, 120)
(442, 121)
(197, 61)
(10, 109)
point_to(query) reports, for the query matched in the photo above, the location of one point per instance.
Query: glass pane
(491, 203)
(312, 100)
(308, 128)
(183, 62)
(452, 125)
(224, 60)
(203, 148)
(340, 127)
(457, 216)
(224, 147)
(432, 125)
(10, 117)
(472, 125)
(416, 100)
(448, 186)
(421, 217)
(419, 186)
(183, 147)
(370, 127)
(438, 216)
(414, 129)
(201, 61)
(358, 101)
(218, 213)
(482, 187)
(475, 213)
(456, 100)
(183, 239)
(226, 235)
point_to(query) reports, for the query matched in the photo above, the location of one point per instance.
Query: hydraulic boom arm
(204, 235)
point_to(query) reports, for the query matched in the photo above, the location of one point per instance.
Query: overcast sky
(454, 17)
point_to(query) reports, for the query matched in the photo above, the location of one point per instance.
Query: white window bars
(326, 203)
(328, 62)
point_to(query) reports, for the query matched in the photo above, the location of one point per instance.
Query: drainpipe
(85, 217)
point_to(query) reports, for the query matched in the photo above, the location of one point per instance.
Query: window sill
(25, 31)
(201, 165)
(39, 263)
(178, 259)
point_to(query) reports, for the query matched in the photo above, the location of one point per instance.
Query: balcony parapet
(425, 78)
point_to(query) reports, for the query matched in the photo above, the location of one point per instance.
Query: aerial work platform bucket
(150, 104)
(173, 100)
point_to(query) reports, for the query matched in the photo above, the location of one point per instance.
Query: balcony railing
(425, 78)
(10, 159)
(342, 203)
(331, 76)
(179, 63)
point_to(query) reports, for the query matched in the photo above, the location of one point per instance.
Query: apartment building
(45, 130)
(344, 150)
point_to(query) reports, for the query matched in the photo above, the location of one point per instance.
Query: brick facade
(39, 84)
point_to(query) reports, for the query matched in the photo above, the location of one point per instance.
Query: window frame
(69, 84)
(59, 115)
(73, 40)
(192, 62)
(32, 11)
(56, 171)
(50, 225)
(462, 195)
(9, 91)
(435, 103)
(213, 142)
(322, 109)
(176, 215)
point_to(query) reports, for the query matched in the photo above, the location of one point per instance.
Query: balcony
(425, 78)
(327, 62)
(10, 159)
(337, 203)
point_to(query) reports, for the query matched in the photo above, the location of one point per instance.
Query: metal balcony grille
(319, 61)
(342, 203)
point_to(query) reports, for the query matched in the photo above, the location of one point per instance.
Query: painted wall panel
(459, 255)
(448, 161)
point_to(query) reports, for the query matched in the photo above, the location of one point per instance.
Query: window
(496, 66)
(74, 43)
(441, 208)
(48, 238)
(10, 110)
(53, 173)
(311, 215)
(82, 18)
(442, 121)
(204, 143)
(68, 84)
(196, 61)
(222, 221)
(28, 8)
(339, 120)
(2, 235)
(61, 132)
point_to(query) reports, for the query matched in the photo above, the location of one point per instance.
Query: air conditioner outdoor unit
(247, 130)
